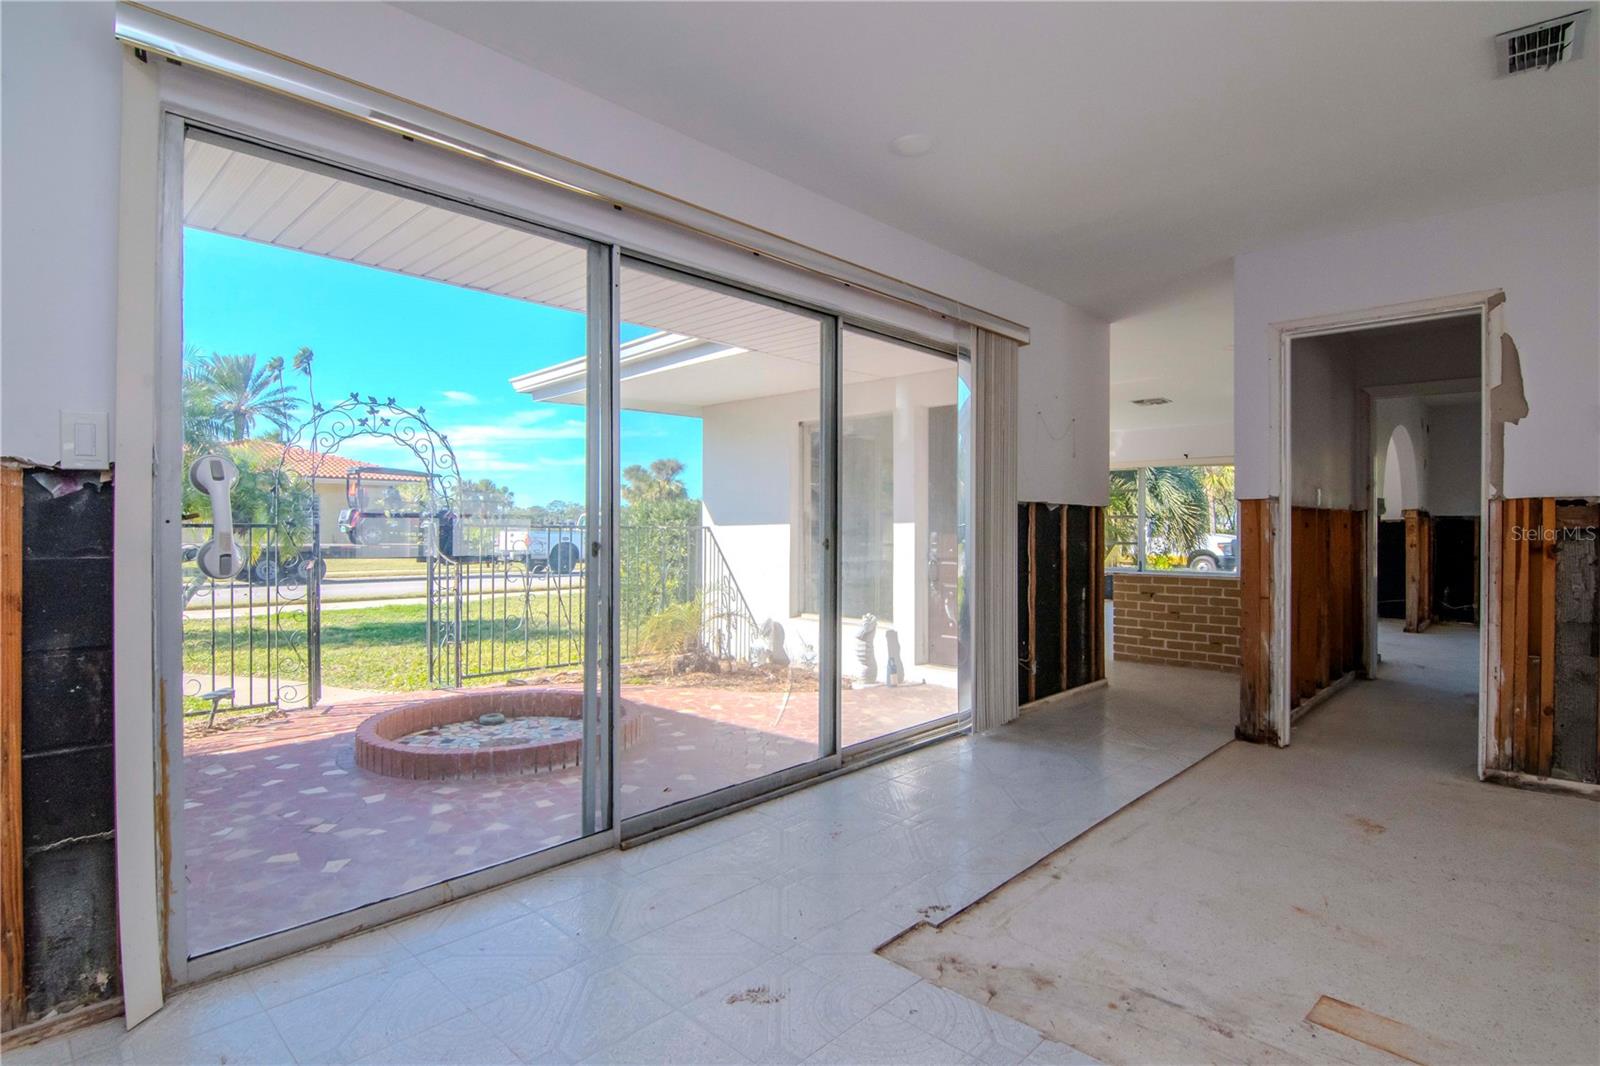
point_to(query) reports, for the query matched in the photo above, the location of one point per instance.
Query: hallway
(1363, 863)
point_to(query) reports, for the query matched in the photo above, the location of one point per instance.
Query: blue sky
(427, 344)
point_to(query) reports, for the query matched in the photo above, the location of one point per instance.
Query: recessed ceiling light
(1151, 401)
(911, 145)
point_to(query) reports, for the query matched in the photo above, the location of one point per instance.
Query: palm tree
(242, 392)
(1177, 506)
(1217, 481)
(200, 424)
(660, 482)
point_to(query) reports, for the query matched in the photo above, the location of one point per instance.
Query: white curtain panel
(994, 565)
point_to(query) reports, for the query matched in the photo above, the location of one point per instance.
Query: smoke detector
(1543, 44)
(1151, 401)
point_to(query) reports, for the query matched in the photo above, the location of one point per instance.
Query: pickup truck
(1217, 551)
(557, 549)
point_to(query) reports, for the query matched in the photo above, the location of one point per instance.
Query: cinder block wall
(1176, 619)
(68, 845)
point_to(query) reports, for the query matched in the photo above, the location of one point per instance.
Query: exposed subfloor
(1364, 863)
(749, 938)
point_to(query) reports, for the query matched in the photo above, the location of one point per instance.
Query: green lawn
(338, 568)
(385, 648)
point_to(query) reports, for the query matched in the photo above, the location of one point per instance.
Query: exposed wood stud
(1065, 606)
(1545, 704)
(13, 998)
(1255, 620)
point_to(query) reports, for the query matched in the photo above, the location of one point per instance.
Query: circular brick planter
(378, 748)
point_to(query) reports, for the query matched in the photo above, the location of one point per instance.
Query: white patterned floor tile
(461, 1041)
(576, 1013)
(252, 1041)
(986, 1035)
(882, 1039)
(365, 1014)
(674, 1039)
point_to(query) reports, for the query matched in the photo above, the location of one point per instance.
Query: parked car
(1217, 551)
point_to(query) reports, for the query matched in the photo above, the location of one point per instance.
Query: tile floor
(748, 939)
(281, 827)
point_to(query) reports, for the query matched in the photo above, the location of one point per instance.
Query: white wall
(1328, 448)
(60, 87)
(61, 71)
(752, 497)
(1454, 444)
(1171, 444)
(1333, 448)
(1543, 252)
(1402, 480)
(1177, 343)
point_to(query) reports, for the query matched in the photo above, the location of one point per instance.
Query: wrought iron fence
(515, 604)
(245, 639)
(508, 600)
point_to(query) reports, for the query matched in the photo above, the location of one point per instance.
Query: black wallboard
(1060, 585)
(1024, 628)
(1392, 569)
(1455, 566)
(1048, 620)
(69, 867)
(1577, 650)
(1079, 646)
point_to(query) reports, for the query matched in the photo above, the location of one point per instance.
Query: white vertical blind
(994, 569)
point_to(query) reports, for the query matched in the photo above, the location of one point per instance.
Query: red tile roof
(303, 461)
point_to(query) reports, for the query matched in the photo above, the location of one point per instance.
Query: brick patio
(282, 827)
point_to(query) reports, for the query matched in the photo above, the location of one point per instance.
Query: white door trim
(137, 697)
(1487, 304)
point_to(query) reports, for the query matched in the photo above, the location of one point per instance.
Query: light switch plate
(85, 440)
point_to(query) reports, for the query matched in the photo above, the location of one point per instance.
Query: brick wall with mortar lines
(1178, 620)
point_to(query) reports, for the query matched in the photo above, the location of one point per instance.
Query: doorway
(1385, 469)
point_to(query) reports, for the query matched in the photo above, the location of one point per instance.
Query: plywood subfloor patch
(1365, 863)
(1397, 1038)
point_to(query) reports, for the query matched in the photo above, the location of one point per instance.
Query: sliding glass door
(495, 546)
(899, 537)
(720, 539)
(384, 646)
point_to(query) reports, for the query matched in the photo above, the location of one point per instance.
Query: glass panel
(389, 694)
(899, 538)
(1122, 520)
(1189, 518)
(717, 539)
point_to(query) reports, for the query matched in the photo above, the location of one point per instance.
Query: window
(1172, 518)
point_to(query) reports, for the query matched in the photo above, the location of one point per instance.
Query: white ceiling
(1177, 344)
(1096, 151)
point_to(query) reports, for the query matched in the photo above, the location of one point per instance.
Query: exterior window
(1172, 518)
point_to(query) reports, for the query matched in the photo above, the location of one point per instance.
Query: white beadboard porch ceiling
(242, 194)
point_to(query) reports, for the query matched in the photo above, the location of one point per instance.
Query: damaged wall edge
(59, 578)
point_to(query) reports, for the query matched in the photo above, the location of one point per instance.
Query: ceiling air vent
(1151, 401)
(1543, 44)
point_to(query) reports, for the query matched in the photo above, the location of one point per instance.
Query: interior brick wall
(1176, 619)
